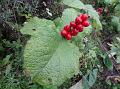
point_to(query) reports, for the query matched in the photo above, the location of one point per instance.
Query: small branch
(104, 49)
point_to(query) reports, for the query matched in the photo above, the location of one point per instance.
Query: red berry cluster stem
(75, 26)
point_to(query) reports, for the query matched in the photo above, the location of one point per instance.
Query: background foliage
(93, 56)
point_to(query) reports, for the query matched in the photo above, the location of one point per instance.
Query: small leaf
(108, 63)
(118, 27)
(92, 77)
(8, 68)
(85, 83)
(115, 20)
(89, 79)
(6, 59)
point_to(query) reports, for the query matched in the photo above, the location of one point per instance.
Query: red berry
(72, 24)
(67, 28)
(79, 28)
(78, 20)
(74, 32)
(68, 36)
(64, 33)
(86, 23)
(84, 17)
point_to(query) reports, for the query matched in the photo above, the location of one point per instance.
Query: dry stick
(104, 49)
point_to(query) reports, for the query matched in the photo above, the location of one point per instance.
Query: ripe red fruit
(74, 32)
(79, 28)
(68, 36)
(72, 24)
(78, 20)
(86, 23)
(64, 33)
(67, 28)
(84, 17)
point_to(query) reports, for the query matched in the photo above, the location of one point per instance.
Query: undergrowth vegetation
(59, 44)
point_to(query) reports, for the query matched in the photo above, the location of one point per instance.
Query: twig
(104, 49)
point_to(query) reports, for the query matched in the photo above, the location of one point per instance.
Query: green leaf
(117, 10)
(108, 63)
(118, 27)
(108, 1)
(8, 69)
(92, 77)
(95, 17)
(33, 24)
(6, 59)
(85, 83)
(61, 66)
(79, 38)
(48, 58)
(74, 3)
(89, 79)
(111, 1)
(67, 16)
(116, 22)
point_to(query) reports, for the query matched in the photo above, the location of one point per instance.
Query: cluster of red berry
(75, 26)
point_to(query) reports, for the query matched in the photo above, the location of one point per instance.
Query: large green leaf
(48, 59)
(61, 65)
(67, 16)
(74, 3)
